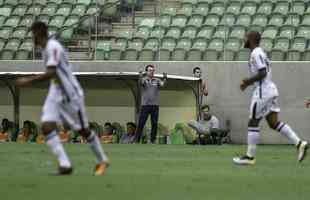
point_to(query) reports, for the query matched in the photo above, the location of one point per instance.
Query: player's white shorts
(264, 101)
(57, 110)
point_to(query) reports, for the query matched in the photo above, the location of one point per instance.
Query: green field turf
(149, 172)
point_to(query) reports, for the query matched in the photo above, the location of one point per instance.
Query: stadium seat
(190, 32)
(20, 10)
(195, 53)
(276, 20)
(164, 55)
(147, 22)
(110, 8)
(282, 7)
(164, 21)
(72, 20)
(7, 54)
(158, 32)
(221, 32)
(231, 47)
(216, 44)
(306, 19)
(66, 33)
(217, 8)
(196, 20)
(64, 9)
(265, 8)
(102, 49)
(152, 44)
(306, 56)
(12, 2)
(243, 55)
(92, 10)
(171, 11)
(260, 20)
(182, 47)
(179, 21)
(22, 54)
(212, 20)
(79, 9)
(6, 10)
(12, 21)
(234, 7)
(85, 2)
(187, 9)
(146, 55)
(293, 20)
(243, 20)
(26, 44)
(267, 44)
(142, 32)
(277, 55)
(297, 7)
(238, 32)
(34, 10)
(174, 32)
(297, 49)
(49, 9)
(270, 32)
(6, 32)
(303, 31)
(12, 44)
(27, 21)
(131, 54)
(193, 2)
(28, 2)
(206, 32)
(210, 55)
(249, 8)
(20, 32)
(228, 20)
(287, 31)
(202, 8)
(57, 21)
(56, 1)
(168, 43)
(125, 34)
(280, 48)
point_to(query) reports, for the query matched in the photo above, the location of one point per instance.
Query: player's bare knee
(48, 127)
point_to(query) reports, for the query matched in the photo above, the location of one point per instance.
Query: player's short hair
(257, 37)
(40, 27)
(131, 124)
(205, 108)
(195, 69)
(108, 124)
(147, 67)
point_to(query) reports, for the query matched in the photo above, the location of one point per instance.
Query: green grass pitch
(154, 172)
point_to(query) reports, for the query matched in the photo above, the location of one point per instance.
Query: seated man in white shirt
(209, 125)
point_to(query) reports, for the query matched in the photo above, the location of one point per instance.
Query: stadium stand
(163, 30)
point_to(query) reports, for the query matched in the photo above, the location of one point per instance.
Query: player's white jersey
(265, 93)
(55, 55)
(65, 100)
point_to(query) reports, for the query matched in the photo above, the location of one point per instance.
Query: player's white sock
(287, 131)
(95, 145)
(253, 140)
(53, 141)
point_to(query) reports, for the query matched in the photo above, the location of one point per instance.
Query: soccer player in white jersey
(64, 102)
(264, 103)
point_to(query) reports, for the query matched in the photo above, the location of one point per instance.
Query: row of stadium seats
(246, 20)
(209, 32)
(199, 49)
(44, 2)
(250, 7)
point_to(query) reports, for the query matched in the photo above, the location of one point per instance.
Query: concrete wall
(225, 98)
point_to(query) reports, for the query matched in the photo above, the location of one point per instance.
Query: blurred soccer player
(64, 102)
(264, 103)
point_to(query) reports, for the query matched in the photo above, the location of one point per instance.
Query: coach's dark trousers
(152, 110)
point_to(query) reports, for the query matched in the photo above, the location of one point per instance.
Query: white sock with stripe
(54, 143)
(253, 140)
(287, 131)
(96, 147)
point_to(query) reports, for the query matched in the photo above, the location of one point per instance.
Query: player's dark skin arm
(262, 73)
(49, 74)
